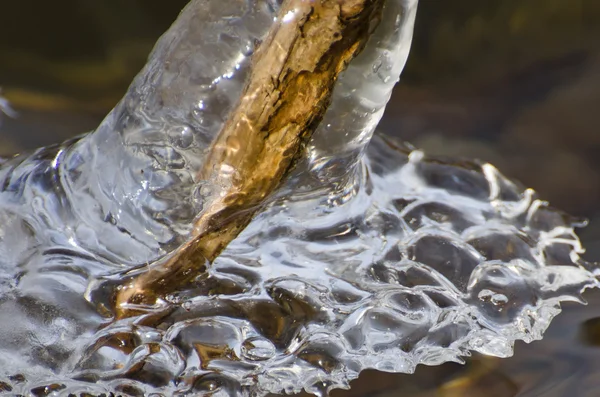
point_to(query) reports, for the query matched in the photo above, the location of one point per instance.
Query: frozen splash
(428, 261)
(385, 261)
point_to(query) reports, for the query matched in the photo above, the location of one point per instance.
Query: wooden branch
(287, 93)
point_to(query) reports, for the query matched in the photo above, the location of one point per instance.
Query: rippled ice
(386, 260)
(425, 261)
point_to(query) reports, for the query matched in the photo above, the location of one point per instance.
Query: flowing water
(368, 257)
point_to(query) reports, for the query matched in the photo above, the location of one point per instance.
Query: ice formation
(375, 257)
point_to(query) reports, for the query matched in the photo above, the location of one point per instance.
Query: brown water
(534, 118)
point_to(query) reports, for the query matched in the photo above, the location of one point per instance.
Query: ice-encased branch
(287, 93)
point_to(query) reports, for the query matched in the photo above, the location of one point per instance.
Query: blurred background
(512, 82)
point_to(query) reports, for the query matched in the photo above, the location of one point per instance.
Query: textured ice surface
(426, 261)
(386, 261)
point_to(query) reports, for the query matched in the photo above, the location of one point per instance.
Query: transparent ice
(5, 108)
(368, 257)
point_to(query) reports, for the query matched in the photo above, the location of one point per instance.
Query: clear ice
(368, 257)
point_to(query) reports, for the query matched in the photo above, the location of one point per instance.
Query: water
(385, 261)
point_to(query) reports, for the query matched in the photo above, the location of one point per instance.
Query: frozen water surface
(368, 257)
